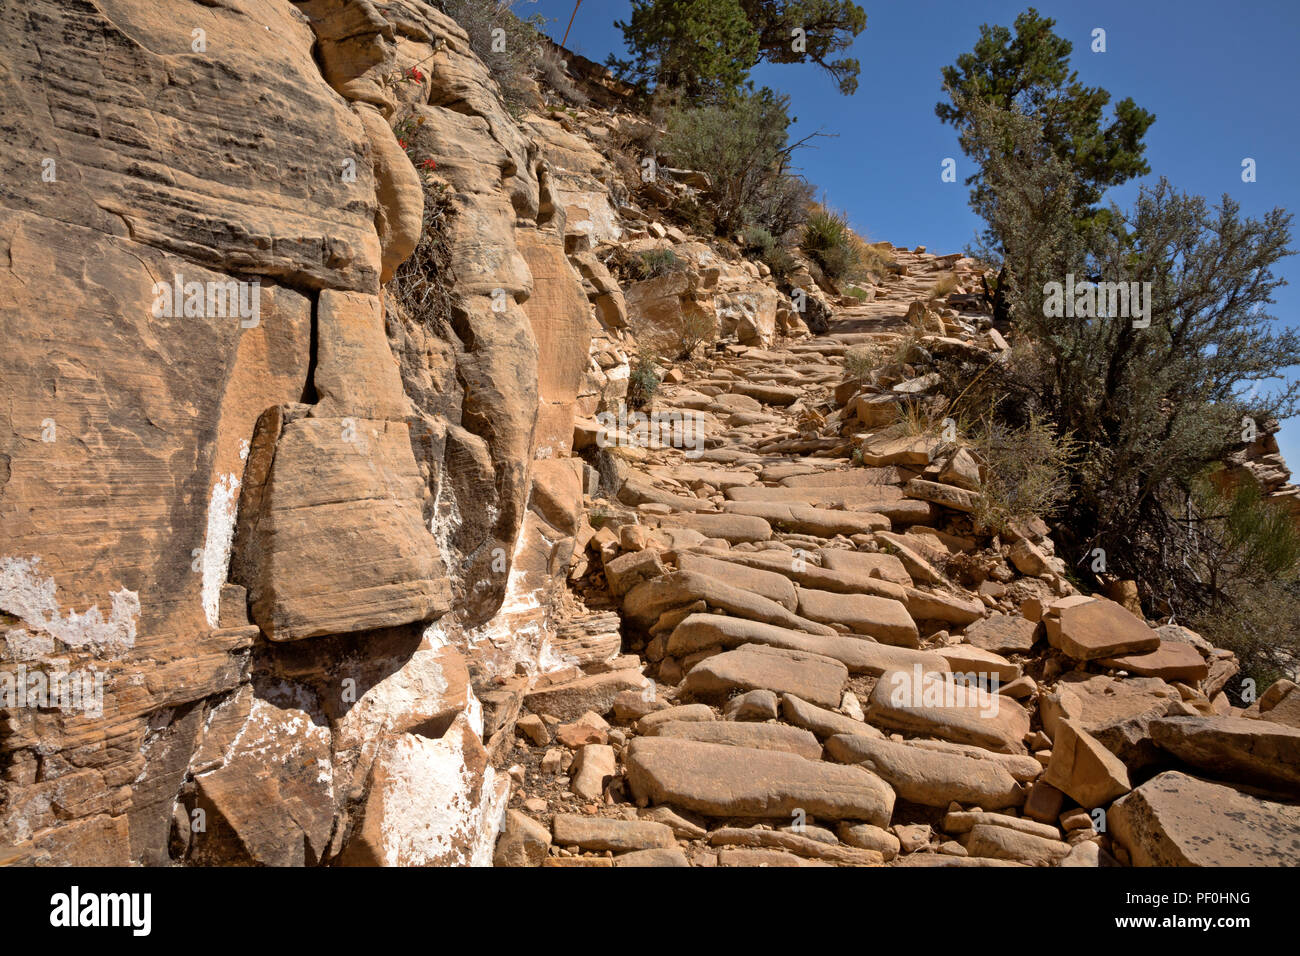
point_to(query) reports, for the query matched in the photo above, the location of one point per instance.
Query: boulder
(1003, 634)
(647, 601)
(1241, 749)
(768, 584)
(1177, 820)
(1097, 629)
(920, 703)
(822, 722)
(1001, 843)
(523, 842)
(1083, 769)
(605, 833)
(700, 631)
(885, 620)
(756, 736)
(1118, 713)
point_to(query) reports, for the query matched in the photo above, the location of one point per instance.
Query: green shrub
(521, 58)
(833, 245)
(742, 143)
(1027, 471)
(644, 380)
(1155, 397)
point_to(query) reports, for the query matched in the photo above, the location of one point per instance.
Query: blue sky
(1219, 76)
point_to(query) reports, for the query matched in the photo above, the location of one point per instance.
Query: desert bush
(519, 60)
(1027, 470)
(861, 361)
(743, 144)
(832, 244)
(421, 283)
(644, 379)
(1247, 551)
(939, 292)
(1262, 628)
(552, 72)
(695, 328)
(1153, 399)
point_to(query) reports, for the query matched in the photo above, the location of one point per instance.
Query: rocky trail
(800, 683)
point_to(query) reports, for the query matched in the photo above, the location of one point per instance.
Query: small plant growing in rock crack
(644, 380)
(420, 285)
(860, 362)
(940, 291)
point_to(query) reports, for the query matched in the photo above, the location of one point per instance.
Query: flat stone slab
(1170, 661)
(732, 528)
(1177, 820)
(871, 563)
(965, 659)
(795, 843)
(929, 704)
(904, 450)
(658, 857)
(797, 567)
(721, 781)
(1097, 629)
(778, 395)
(949, 496)
(822, 722)
(734, 734)
(851, 497)
(594, 692)
(1001, 843)
(754, 666)
(1239, 748)
(885, 620)
(1003, 634)
(644, 603)
(859, 655)
(929, 777)
(769, 584)
(604, 833)
(806, 519)
(934, 606)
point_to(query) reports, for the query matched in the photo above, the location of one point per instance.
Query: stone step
(756, 666)
(722, 781)
(700, 632)
(792, 740)
(929, 777)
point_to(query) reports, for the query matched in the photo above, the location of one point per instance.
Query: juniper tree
(1031, 72)
(706, 48)
(1152, 403)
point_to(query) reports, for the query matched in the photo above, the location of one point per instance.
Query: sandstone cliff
(293, 539)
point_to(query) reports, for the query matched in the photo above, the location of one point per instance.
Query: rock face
(241, 475)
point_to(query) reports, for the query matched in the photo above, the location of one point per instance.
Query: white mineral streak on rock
(436, 808)
(215, 565)
(30, 596)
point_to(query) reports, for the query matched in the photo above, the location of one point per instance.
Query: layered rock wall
(289, 537)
